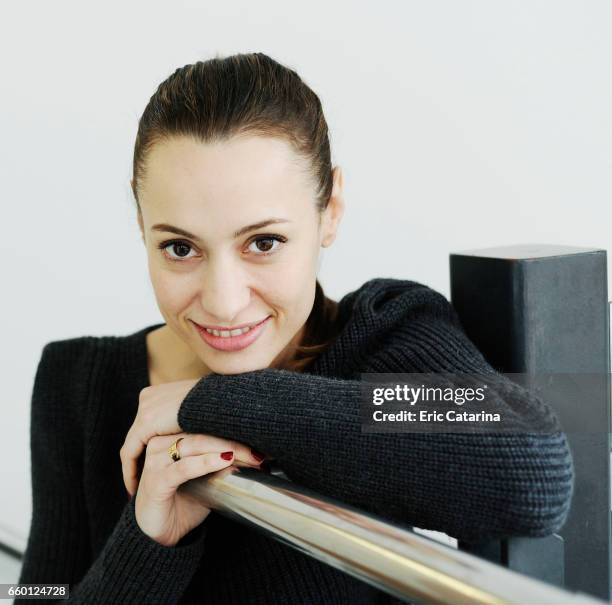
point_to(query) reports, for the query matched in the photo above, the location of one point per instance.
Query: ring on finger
(174, 452)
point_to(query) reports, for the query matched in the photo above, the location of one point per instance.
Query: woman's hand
(164, 514)
(158, 408)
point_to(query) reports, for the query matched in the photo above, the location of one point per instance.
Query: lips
(233, 343)
(220, 328)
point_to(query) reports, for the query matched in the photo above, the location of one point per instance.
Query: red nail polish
(227, 455)
(257, 454)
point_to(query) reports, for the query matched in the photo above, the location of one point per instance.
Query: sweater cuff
(196, 405)
(221, 402)
(146, 566)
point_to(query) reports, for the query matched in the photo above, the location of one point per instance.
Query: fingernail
(257, 454)
(227, 455)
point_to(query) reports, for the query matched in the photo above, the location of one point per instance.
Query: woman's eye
(180, 249)
(264, 245)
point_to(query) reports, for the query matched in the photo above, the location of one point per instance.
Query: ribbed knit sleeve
(132, 567)
(471, 486)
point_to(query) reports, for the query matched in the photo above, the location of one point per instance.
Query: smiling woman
(235, 197)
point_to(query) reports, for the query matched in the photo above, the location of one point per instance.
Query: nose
(225, 292)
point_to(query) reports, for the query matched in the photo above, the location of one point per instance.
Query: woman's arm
(470, 486)
(131, 568)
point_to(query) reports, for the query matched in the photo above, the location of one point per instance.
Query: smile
(232, 340)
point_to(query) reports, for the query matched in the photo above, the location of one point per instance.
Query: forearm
(469, 486)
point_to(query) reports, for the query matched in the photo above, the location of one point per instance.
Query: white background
(459, 124)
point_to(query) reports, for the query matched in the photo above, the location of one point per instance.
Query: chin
(236, 366)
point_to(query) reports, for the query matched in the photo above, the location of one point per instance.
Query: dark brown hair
(247, 94)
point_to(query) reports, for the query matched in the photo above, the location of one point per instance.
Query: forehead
(238, 170)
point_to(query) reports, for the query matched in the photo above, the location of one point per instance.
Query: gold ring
(173, 451)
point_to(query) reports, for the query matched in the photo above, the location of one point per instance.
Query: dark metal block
(544, 309)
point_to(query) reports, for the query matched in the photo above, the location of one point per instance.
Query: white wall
(459, 124)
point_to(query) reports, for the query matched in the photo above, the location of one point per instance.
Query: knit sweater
(473, 487)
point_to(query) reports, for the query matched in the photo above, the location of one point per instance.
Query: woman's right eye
(179, 247)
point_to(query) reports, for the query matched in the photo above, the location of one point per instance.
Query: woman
(235, 197)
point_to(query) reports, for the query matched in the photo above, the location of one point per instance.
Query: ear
(332, 215)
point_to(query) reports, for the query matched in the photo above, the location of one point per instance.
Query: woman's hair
(251, 93)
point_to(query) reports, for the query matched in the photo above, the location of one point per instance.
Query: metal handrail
(397, 561)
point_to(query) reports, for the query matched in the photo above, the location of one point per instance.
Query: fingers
(191, 444)
(194, 444)
(136, 440)
(192, 467)
(161, 476)
(196, 460)
(129, 453)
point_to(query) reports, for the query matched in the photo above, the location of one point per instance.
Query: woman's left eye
(268, 241)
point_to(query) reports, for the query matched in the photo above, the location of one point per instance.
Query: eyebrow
(178, 231)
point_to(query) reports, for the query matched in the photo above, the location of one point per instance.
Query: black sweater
(472, 487)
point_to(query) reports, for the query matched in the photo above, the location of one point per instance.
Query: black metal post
(544, 309)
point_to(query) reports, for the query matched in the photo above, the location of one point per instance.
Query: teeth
(228, 333)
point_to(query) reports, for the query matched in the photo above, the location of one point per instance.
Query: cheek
(172, 291)
(292, 298)
(297, 267)
(290, 288)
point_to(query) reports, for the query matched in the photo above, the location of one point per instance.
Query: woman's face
(216, 259)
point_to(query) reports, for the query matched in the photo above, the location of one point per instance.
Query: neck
(170, 359)
(288, 353)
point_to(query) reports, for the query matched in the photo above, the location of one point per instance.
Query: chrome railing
(397, 561)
